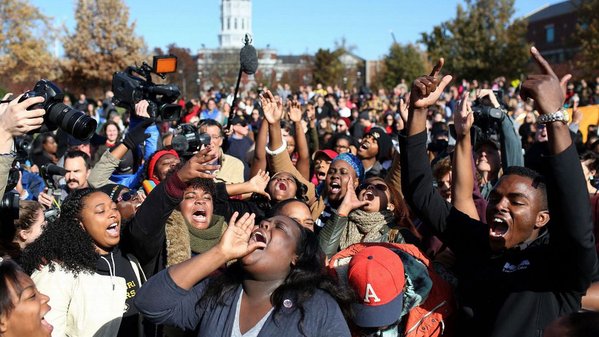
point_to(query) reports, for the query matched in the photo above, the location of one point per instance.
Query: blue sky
(291, 27)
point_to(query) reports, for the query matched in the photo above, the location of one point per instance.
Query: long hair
(28, 213)
(9, 277)
(64, 240)
(306, 276)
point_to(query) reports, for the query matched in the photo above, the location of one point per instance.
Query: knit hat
(384, 142)
(155, 159)
(113, 190)
(354, 162)
(377, 276)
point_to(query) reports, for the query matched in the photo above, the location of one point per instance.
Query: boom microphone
(248, 59)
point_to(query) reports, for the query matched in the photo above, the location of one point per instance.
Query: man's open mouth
(498, 227)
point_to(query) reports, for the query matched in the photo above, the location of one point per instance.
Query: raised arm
(463, 177)
(417, 178)
(259, 161)
(301, 143)
(146, 231)
(15, 120)
(279, 158)
(235, 243)
(572, 227)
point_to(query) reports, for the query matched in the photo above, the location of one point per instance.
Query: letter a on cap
(370, 293)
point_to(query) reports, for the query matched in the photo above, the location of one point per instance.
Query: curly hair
(64, 240)
(306, 276)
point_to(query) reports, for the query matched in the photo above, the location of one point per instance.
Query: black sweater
(520, 291)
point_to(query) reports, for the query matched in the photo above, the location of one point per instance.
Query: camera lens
(72, 121)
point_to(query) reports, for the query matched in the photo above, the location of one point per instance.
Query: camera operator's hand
(47, 200)
(196, 166)
(427, 89)
(272, 107)
(16, 120)
(545, 89)
(141, 109)
(137, 135)
(464, 118)
(480, 93)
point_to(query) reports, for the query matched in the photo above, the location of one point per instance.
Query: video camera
(187, 140)
(48, 172)
(487, 120)
(129, 89)
(58, 114)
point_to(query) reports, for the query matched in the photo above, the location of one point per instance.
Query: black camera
(9, 206)
(58, 114)
(129, 89)
(187, 140)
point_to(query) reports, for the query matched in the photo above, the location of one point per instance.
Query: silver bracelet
(560, 115)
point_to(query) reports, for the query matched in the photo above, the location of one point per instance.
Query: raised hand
(427, 89)
(404, 104)
(272, 107)
(259, 183)
(545, 89)
(295, 111)
(464, 118)
(16, 120)
(350, 201)
(196, 166)
(235, 242)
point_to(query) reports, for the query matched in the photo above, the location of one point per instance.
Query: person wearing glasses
(371, 213)
(231, 169)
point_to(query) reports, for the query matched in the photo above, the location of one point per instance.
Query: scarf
(203, 239)
(364, 227)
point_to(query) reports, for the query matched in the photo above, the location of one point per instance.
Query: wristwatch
(560, 115)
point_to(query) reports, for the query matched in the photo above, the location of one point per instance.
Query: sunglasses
(127, 196)
(373, 186)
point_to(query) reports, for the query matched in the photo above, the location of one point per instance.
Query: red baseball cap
(328, 153)
(377, 276)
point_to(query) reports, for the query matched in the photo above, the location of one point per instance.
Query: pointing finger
(438, 67)
(543, 64)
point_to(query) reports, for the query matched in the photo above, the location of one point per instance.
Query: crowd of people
(437, 208)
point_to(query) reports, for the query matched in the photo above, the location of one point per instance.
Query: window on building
(242, 23)
(549, 33)
(235, 26)
(228, 23)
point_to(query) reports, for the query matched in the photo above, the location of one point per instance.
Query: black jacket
(518, 292)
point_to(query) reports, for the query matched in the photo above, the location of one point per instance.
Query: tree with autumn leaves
(24, 36)
(103, 42)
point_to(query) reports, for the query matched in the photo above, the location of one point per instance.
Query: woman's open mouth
(334, 187)
(199, 216)
(113, 230)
